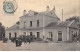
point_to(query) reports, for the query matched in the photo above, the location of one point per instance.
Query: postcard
(39, 25)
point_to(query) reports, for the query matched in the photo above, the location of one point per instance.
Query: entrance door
(9, 35)
(60, 36)
(51, 36)
(38, 35)
(15, 35)
(30, 33)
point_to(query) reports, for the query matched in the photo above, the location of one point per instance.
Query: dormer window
(31, 13)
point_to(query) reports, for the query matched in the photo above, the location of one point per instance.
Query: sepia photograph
(39, 25)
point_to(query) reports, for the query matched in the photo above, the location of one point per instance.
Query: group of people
(18, 41)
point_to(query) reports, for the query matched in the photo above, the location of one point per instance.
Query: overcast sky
(70, 8)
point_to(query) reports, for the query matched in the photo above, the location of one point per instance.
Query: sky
(70, 8)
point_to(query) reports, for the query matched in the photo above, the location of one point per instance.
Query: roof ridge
(71, 22)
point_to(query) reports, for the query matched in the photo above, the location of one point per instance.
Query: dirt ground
(34, 46)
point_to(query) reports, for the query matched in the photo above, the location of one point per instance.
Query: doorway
(51, 36)
(38, 35)
(9, 35)
(15, 35)
(30, 33)
(60, 36)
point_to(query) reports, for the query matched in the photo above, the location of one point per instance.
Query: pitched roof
(61, 24)
(53, 24)
(45, 13)
(52, 14)
(64, 24)
(14, 27)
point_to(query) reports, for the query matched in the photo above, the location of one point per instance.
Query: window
(30, 23)
(72, 34)
(38, 35)
(50, 34)
(76, 34)
(59, 35)
(30, 33)
(37, 23)
(71, 31)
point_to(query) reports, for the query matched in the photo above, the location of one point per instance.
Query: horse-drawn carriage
(18, 41)
(5, 40)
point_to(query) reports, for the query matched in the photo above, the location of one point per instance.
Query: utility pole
(62, 14)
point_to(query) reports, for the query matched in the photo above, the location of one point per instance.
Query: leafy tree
(76, 18)
(2, 31)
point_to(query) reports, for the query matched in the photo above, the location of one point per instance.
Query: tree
(76, 18)
(2, 31)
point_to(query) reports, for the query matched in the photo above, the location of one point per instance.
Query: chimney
(24, 12)
(54, 9)
(47, 8)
